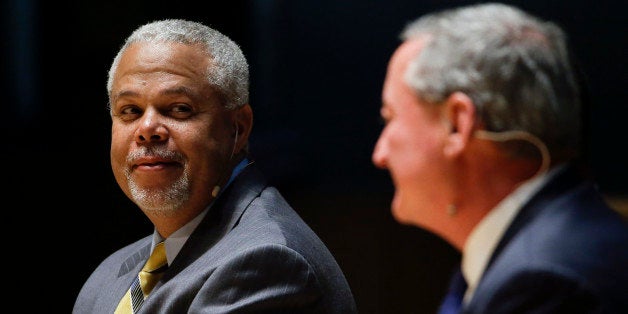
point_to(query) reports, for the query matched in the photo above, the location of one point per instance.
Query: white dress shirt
(484, 237)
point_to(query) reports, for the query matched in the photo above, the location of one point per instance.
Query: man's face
(410, 145)
(170, 136)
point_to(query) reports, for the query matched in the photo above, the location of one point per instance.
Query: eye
(181, 110)
(385, 116)
(129, 113)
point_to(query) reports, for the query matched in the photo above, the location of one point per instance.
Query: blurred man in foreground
(482, 140)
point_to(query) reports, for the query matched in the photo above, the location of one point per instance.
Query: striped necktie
(144, 282)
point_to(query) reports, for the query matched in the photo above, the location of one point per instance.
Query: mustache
(158, 152)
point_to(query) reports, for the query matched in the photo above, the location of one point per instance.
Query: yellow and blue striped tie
(144, 282)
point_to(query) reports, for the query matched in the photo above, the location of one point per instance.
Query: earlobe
(459, 113)
(242, 125)
(455, 144)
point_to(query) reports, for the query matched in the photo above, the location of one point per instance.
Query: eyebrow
(179, 90)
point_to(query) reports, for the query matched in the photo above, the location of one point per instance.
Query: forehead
(162, 69)
(174, 58)
(406, 52)
(396, 90)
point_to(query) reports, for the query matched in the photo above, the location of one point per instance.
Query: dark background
(316, 73)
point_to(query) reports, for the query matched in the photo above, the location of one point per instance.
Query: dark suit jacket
(252, 253)
(565, 252)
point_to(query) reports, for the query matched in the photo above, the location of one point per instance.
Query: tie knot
(157, 259)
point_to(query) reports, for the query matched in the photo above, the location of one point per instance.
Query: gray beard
(161, 202)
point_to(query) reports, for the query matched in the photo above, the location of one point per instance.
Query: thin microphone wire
(216, 189)
(520, 135)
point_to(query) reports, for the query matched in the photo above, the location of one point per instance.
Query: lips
(153, 162)
(154, 159)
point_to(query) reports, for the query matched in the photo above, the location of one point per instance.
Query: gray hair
(515, 67)
(228, 71)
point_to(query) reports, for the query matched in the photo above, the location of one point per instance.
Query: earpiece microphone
(520, 135)
(217, 188)
(235, 141)
(215, 191)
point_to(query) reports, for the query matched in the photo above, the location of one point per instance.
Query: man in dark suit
(181, 121)
(483, 114)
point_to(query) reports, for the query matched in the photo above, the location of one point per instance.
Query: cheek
(118, 153)
(416, 179)
(411, 146)
(205, 153)
(416, 156)
(120, 145)
(119, 168)
(410, 165)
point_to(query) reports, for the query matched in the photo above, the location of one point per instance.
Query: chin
(408, 211)
(401, 212)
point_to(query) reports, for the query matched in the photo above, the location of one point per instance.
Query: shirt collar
(484, 237)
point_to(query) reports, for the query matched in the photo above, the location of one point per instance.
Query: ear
(460, 115)
(243, 123)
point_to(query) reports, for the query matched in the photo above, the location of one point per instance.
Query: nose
(151, 128)
(379, 154)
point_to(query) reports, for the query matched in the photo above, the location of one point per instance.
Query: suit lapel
(134, 261)
(221, 218)
(557, 186)
(129, 268)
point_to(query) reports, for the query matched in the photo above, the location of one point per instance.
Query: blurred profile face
(410, 145)
(170, 136)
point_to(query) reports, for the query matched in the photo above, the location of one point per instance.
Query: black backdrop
(317, 69)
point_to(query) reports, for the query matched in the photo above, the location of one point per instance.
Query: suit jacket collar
(132, 262)
(221, 218)
(562, 182)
